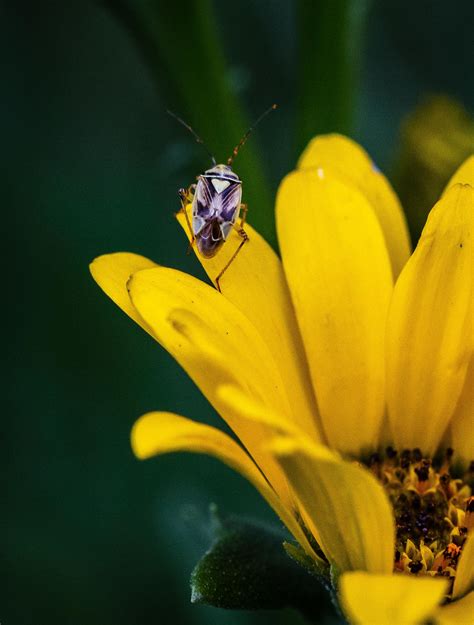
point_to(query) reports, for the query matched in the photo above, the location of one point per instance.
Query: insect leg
(186, 195)
(243, 217)
(245, 238)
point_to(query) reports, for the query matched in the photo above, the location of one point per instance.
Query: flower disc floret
(433, 510)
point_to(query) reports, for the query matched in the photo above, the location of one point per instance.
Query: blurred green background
(91, 164)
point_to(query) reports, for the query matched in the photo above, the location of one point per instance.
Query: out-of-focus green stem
(180, 43)
(329, 60)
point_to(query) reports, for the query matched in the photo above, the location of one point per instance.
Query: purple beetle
(216, 203)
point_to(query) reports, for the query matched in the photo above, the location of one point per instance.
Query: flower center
(433, 510)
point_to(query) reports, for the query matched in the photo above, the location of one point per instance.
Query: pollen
(433, 509)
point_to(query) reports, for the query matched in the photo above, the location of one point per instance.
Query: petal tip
(136, 439)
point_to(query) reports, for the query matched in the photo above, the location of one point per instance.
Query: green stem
(330, 58)
(180, 43)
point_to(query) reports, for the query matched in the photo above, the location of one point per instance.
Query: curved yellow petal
(163, 432)
(460, 612)
(464, 581)
(463, 175)
(339, 275)
(242, 407)
(430, 336)
(389, 599)
(255, 283)
(216, 344)
(344, 506)
(247, 407)
(462, 422)
(112, 272)
(347, 160)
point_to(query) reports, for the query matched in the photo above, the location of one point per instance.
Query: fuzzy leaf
(247, 568)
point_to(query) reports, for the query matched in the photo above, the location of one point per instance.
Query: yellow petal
(460, 612)
(429, 338)
(344, 506)
(112, 271)
(244, 408)
(326, 479)
(255, 283)
(390, 599)
(163, 432)
(464, 581)
(339, 275)
(239, 402)
(216, 344)
(462, 422)
(463, 175)
(346, 159)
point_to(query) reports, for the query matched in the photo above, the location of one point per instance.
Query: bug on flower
(216, 201)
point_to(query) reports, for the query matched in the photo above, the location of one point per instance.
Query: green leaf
(297, 554)
(247, 568)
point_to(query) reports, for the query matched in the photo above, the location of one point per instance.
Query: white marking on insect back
(226, 227)
(198, 224)
(320, 172)
(219, 184)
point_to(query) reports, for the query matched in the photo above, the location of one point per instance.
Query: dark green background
(91, 164)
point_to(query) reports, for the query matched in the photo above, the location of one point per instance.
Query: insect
(216, 201)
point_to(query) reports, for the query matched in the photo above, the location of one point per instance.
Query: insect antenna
(195, 135)
(230, 160)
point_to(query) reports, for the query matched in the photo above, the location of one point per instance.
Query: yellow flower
(344, 347)
(434, 139)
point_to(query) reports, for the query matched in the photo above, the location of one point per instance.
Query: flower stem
(330, 54)
(180, 43)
